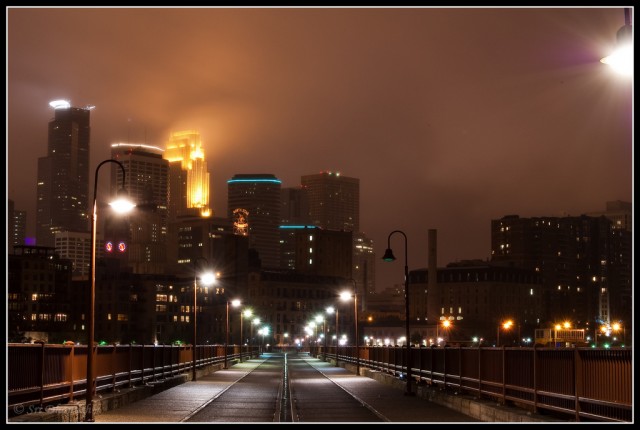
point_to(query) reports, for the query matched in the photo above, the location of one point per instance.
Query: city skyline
(449, 117)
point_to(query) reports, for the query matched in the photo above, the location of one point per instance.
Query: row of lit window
(48, 317)
(120, 317)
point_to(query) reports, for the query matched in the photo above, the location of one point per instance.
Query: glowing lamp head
(122, 204)
(208, 279)
(388, 255)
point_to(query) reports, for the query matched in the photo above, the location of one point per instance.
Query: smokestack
(433, 259)
(432, 292)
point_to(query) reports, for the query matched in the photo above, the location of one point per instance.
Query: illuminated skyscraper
(334, 200)
(259, 196)
(63, 175)
(188, 175)
(334, 204)
(147, 182)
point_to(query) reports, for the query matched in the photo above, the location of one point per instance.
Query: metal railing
(583, 384)
(43, 374)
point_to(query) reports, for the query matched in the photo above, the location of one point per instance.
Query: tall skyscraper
(188, 175)
(334, 204)
(334, 200)
(259, 196)
(294, 213)
(147, 182)
(16, 227)
(63, 175)
(76, 247)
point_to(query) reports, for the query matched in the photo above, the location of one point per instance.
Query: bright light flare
(122, 205)
(621, 61)
(208, 278)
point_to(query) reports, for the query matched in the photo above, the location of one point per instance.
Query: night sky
(450, 117)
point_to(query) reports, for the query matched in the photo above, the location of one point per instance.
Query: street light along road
(235, 303)
(207, 278)
(388, 256)
(120, 205)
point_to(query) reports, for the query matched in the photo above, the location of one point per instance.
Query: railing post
(459, 368)
(171, 360)
(113, 367)
(432, 366)
(72, 357)
(577, 387)
(479, 371)
(162, 359)
(504, 376)
(142, 365)
(153, 364)
(41, 342)
(130, 362)
(535, 379)
(444, 371)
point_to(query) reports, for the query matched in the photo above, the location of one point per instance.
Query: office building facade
(189, 184)
(147, 184)
(63, 175)
(259, 196)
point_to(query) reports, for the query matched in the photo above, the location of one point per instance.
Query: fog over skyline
(449, 116)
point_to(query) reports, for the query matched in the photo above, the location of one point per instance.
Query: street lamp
(347, 296)
(506, 325)
(207, 279)
(235, 303)
(247, 313)
(121, 205)
(616, 327)
(621, 60)
(320, 319)
(264, 331)
(255, 321)
(446, 324)
(329, 311)
(388, 256)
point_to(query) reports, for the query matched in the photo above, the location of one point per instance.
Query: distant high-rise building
(334, 204)
(63, 175)
(188, 175)
(584, 261)
(259, 196)
(618, 212)
(323, 252)
(16, 227)
(364, 265)
(294, 213)
(334, 200)
(76, 247)
(147, 182)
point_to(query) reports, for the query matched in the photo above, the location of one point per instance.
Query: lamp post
(207, 279)
(616, 327)
(235, 303)
(506, 325)
(121, 206)
(347, 296)
(446, 325)
(329, 311)
(255, 321)
(320, 319)
(621, 60)
(337, 336)
(388, 256)
(247, 313)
